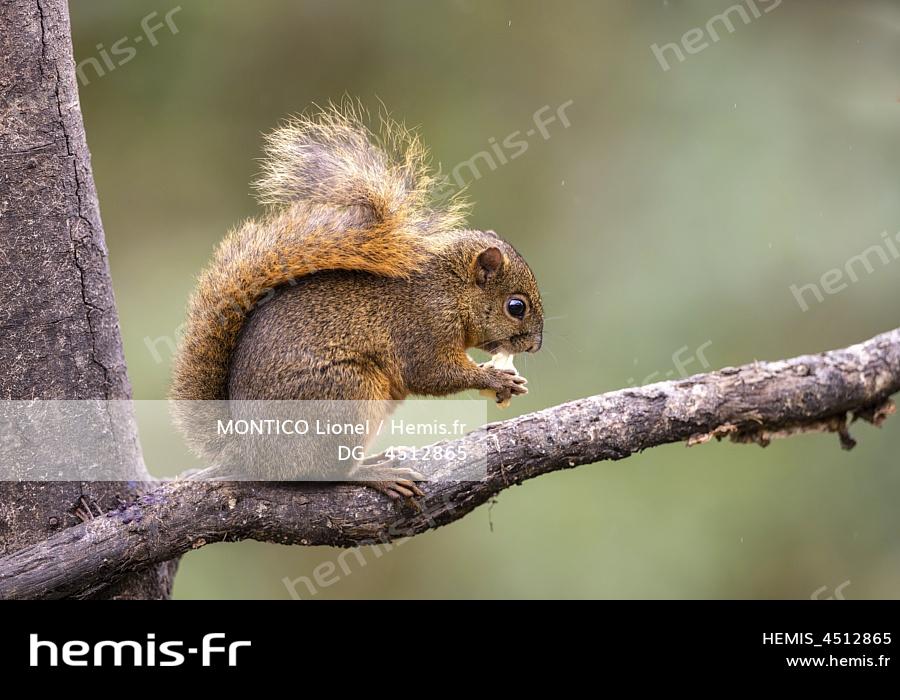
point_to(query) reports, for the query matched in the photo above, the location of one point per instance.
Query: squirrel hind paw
(396, 489)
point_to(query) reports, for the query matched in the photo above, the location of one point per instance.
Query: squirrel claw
(401, 488)
(397, 490)
(506, 383)
(394, 482)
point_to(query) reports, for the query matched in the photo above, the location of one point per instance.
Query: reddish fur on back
(340, 201)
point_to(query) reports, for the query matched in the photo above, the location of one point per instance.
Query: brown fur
(358, 285)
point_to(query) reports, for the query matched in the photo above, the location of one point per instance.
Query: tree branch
(754, 403)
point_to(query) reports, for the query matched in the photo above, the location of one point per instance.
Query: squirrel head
(504, 310)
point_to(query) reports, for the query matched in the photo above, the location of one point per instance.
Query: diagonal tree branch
(754, 403)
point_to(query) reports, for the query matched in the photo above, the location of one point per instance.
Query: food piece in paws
(500, 360)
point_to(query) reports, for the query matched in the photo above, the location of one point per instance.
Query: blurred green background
(672, 214)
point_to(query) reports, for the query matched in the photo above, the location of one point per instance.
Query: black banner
(825, 639)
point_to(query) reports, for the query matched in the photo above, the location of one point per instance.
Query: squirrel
(359, 283)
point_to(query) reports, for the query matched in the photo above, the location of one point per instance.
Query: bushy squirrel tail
(333, 158)
(341, 199)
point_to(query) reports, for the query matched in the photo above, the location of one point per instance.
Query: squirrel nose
(538, 341)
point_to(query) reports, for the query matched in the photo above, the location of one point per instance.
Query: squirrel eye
(516, 307)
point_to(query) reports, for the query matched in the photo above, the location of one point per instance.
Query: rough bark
(59, 334)
(754, 403)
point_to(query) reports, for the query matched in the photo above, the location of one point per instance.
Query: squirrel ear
(490, 260)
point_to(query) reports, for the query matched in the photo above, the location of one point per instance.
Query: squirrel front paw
(505, 383)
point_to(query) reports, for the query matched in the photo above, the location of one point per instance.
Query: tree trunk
(59, 333)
